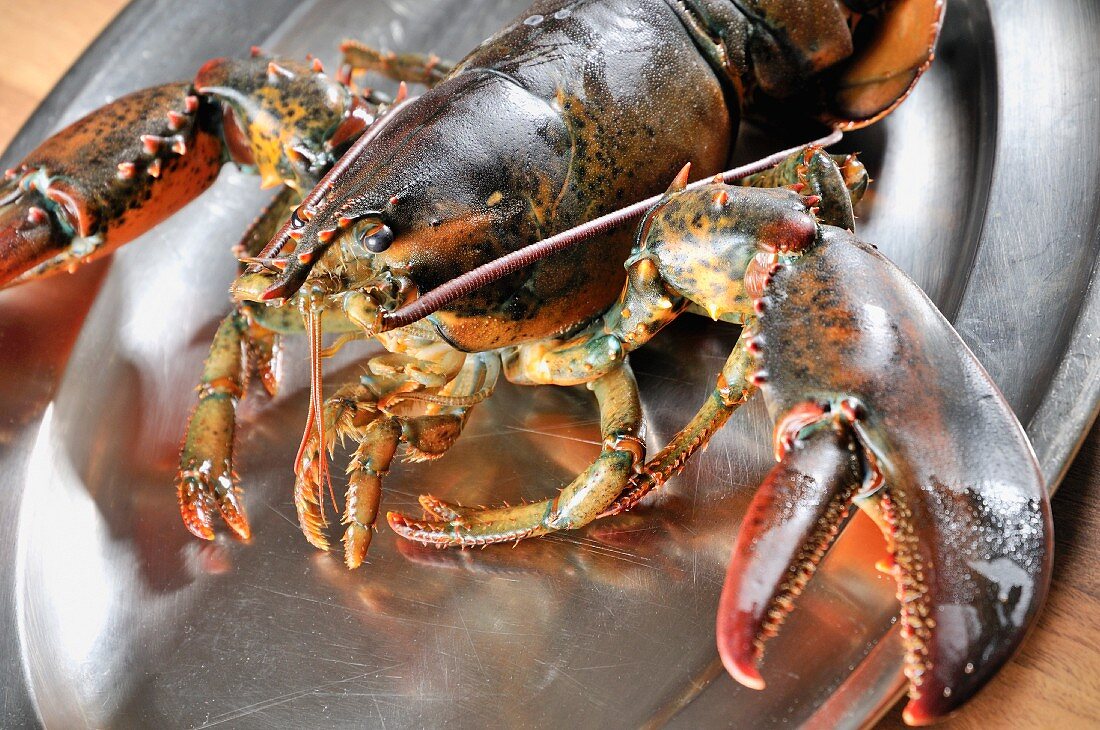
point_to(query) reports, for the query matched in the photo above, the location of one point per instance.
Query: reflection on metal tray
(114, 616)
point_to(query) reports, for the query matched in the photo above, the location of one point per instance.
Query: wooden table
(1053, 683)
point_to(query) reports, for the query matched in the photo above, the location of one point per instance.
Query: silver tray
(113, 616)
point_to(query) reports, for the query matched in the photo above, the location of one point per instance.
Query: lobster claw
(123, 168)
(27, 236)
(889, 411)
(104, 180)
(968, 560)
(790, 522)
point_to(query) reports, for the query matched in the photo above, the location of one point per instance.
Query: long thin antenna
(474, 279)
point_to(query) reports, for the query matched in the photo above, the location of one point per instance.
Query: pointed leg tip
(241, 529)
(197, 527)
(438, 510)
(406, 526)
(428, 502)
(196, 507)
(357, 539)
(233, 513)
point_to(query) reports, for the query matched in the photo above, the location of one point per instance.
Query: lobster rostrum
(567, 114)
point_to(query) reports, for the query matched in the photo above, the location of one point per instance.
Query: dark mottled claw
(935, 457)
(232, 511)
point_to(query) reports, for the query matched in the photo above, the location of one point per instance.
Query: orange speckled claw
(206, 483)
(101, 182)
(198, 501)
(232, 511)
(196, 506)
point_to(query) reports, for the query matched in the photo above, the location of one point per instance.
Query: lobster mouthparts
(886, 409)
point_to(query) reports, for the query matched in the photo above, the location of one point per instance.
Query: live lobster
(567, 114)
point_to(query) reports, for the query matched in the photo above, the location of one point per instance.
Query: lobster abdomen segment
(961, 499)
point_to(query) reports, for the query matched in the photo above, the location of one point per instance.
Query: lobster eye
(379, 239)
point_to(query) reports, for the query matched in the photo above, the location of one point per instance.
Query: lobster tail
(848, 62)
(893, 45)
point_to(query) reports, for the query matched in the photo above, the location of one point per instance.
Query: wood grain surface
(1053, 683)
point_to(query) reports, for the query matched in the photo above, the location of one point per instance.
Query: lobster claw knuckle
(277, 115)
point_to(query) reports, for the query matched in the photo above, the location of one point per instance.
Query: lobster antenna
(474, 279)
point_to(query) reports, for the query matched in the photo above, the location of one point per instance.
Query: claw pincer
(114, 174)
(879, 404)
(104, 180)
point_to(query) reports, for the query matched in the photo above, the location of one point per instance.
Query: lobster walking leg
(414, 68)
(365, 472)
(206, 480)
(378, 422)
(242, 348)
(576, 505)
(732, 390)
(261, 344)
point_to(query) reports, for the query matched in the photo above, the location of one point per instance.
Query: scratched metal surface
(114, 617)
